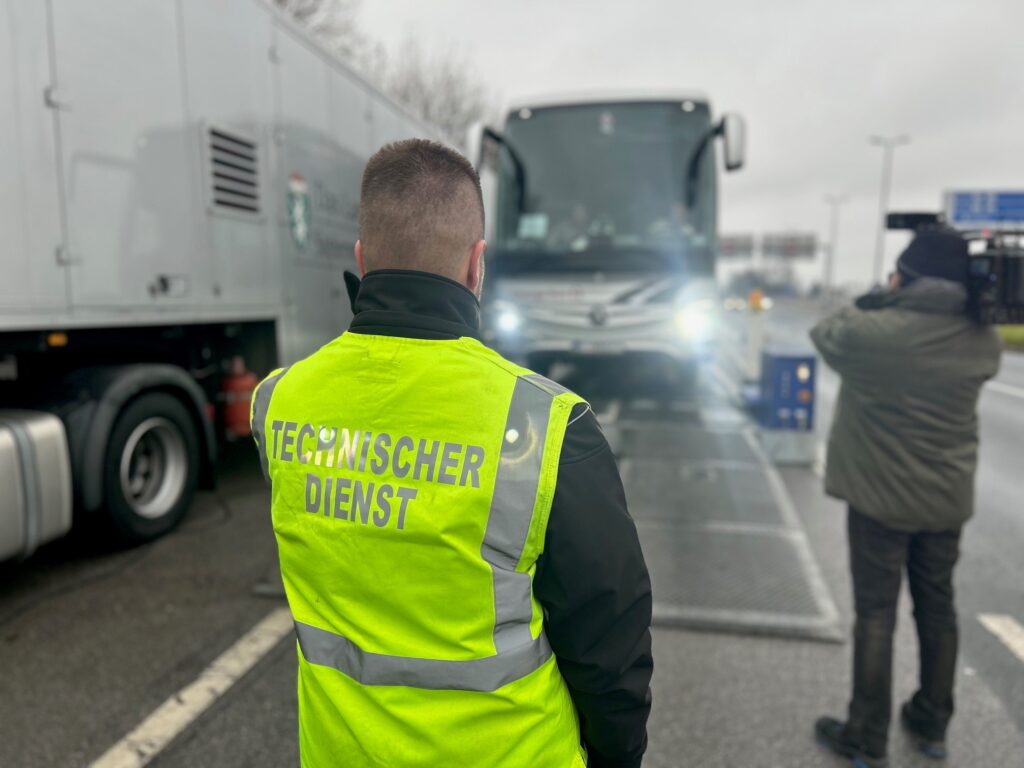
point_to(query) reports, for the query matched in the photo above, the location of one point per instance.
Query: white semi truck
(605, 230)
(179, 183)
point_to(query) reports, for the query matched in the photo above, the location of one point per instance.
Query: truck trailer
(179, 186)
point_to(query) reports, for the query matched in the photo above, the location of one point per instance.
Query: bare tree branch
(440, 89)
(332, 22)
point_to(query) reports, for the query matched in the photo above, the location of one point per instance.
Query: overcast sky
(813, 79)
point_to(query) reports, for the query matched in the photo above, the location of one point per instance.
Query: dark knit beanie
(936, 252)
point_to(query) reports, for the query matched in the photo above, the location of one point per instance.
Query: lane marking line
(745, 529)
(716, 388)
(1007, 629)
(735, 356)
(731, 334)
(610, 415)
(1005, 389)
(727, 385)
(827, 385)
(820, 459)
(625, 469)
(636, 425)
(812, 572)
(689, 467)
(154, 733)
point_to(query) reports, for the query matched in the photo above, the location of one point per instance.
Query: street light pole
(888, 144)
(833, 201)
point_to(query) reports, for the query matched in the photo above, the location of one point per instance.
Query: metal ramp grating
(728, 570)
(725, 549)
(700, 494)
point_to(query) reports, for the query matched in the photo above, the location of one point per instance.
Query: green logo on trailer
(300, 212)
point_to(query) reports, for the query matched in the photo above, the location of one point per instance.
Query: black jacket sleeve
(593, 584)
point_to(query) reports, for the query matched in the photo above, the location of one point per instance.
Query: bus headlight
(695, 321)
(508, 320)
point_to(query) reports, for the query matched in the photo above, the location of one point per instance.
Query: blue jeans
(878, 555)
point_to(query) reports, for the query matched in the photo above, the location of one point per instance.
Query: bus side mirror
(733, 130)
(475, 145)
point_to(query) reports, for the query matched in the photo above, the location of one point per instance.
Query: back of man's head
(420, 208)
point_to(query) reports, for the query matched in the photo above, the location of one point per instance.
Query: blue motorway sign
(985, 209)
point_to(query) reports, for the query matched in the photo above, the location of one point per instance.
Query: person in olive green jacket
(902, 453)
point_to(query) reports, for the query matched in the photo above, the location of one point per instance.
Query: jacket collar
(398, 302)
(932, 296)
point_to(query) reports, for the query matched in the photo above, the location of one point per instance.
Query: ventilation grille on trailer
(234, 168)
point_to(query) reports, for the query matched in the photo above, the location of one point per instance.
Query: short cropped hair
(420, 208)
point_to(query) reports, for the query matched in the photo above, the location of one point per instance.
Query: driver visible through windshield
(606, 179)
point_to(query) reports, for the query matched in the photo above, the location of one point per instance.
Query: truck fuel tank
(35, 481)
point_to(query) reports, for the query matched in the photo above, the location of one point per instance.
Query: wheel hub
(154, 466)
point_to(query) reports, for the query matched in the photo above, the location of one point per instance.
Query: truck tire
(151, 468)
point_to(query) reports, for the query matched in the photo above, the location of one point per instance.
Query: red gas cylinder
(236, 393)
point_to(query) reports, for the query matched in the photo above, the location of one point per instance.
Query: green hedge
(1013, 335)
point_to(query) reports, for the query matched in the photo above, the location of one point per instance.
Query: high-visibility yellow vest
(411, 486)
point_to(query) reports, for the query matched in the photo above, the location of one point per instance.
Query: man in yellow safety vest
(467, 585)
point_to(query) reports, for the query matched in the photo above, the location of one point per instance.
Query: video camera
(995, 272)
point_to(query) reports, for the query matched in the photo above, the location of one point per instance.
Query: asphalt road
(92, 643)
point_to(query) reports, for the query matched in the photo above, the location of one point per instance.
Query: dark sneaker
(933, 748)
(832, 734)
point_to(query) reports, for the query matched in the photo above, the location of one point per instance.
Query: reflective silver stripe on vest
(508, 525)
(553, 388)
(260, 406)
(488, 674)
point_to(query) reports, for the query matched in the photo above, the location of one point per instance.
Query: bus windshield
(600, 182)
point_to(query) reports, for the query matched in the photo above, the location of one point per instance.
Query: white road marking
(820, 459)
(1007, 629)
(625, 469)
(827, 386)
(154, 733)
(716, 388)
(610, 415)
(731, 334)
(815, 580)
(734, 355)
(728, 385)
(1006, 389)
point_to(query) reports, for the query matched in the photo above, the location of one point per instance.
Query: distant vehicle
(605, 230)
(179, 183)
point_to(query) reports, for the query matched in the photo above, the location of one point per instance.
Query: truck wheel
(151, 468)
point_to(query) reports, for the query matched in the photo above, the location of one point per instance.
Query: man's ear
(475, 269)
(359, 258)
